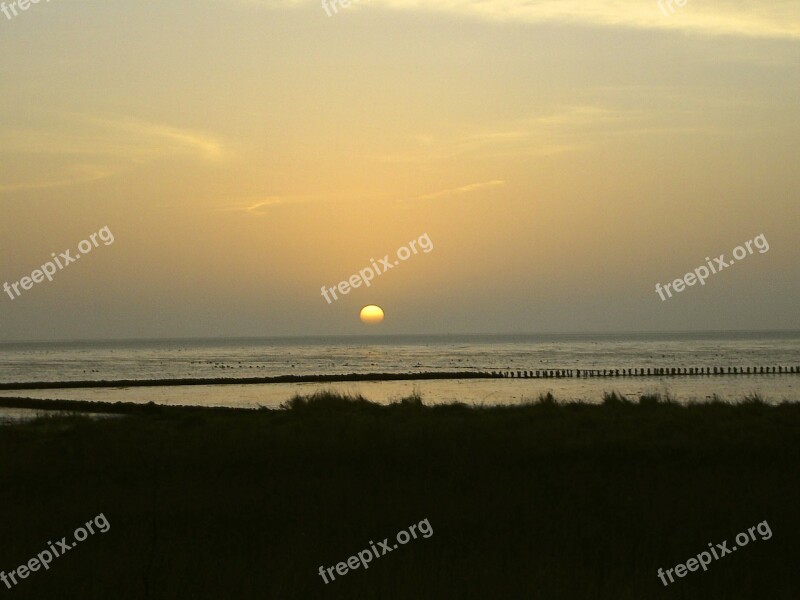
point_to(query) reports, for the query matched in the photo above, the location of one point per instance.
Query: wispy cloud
(750, 18)
(77, 174)
(464, 189)
(160, 140)
(261, 206)
(553, 131)
(81, 149)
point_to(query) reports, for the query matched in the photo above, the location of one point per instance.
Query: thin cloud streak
(564, 129)
(87, 175)
(95, 148)
(776, 19)
(464, 189)
(260, 207)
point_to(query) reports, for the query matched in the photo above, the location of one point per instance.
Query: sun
(371, 314)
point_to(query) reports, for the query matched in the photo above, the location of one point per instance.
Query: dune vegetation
(539, 501)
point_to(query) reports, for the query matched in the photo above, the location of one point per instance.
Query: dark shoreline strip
(121, 408)
(48, 385)
(503, 374)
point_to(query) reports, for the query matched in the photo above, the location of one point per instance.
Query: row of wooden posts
(653, 371)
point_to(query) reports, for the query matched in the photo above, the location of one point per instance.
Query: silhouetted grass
(327, 401)
(413, 400)
(656, 398)
(547, 399)
(615, 398)
(537, 501)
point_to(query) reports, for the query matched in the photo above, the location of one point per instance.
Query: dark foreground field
(536, 502)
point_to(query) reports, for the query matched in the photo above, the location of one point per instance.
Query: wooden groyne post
(645, 372)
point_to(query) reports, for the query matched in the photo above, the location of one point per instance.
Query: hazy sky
(563, 157)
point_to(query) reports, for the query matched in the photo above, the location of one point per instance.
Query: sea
(266, 357)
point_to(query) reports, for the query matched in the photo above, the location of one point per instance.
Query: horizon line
(397, 335)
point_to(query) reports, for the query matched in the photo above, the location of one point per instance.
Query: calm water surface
(401, 354)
